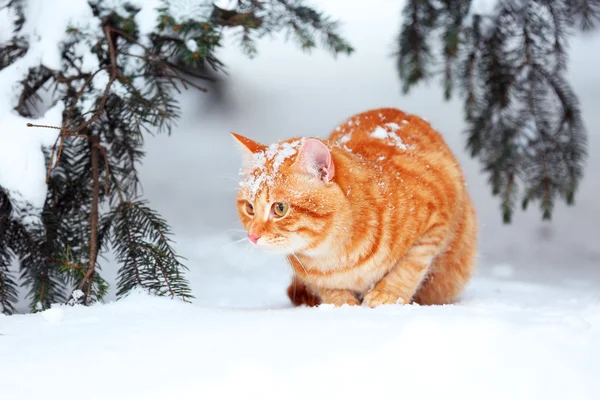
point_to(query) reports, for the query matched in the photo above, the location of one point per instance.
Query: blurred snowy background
(190, 177)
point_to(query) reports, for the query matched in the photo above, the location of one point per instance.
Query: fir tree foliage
(144, 240)
(8, 284)
(118, 83)
(523, 119)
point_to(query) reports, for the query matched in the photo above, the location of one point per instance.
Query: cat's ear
(248, 148)
(248, 145)
(315, 158)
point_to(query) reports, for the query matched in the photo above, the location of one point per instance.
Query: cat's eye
(249, 208)
(280, 209)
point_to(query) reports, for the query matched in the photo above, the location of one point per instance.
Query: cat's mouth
(279, 245)
(272, 246)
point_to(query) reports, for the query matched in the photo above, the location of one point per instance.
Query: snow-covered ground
(242, 340)
(528, 327)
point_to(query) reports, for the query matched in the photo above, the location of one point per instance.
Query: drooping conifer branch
(523, 119)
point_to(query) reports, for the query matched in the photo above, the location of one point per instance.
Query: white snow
(483, 7)
(379, 133)
(184, 10)
(242, 339)
(280, 153)
(6, 24)
(55, 315)
(390, 135)
(147, 18)
(191, 45)
(345, 139)
(22, 168)
(258, 173)
(486, 8)
(77, 294)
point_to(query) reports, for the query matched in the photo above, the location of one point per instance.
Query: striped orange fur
(376, 214)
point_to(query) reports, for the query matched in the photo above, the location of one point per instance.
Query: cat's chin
(290, 246)
(273, 249)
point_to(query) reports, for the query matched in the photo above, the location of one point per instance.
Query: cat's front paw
(377, 297)
(339, 301)
(339, 297)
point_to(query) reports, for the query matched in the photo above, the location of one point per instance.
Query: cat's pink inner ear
(315, 158)
(248, 145)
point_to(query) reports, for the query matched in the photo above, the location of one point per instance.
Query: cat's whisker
(226, 254)
(240, 254)
(234, 242)
(235, 178)
(297, 259)
(235, 230)
(239, 240)
(235, 233)
(294, 279)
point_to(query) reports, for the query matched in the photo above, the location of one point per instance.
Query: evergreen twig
(523, 119)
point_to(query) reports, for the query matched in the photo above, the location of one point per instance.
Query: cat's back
(388, 127)
(389, 135)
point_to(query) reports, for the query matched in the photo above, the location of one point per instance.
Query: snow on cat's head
(287, 199)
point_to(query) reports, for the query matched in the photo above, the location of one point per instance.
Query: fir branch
(12, 50)
(32, 83)
(452, 16)
(142, 246)
(46, 284)
(585, 13)
(523, 119)
(8, 285)
(414, 55)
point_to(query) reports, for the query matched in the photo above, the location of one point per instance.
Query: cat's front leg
(338, 297)
(400, 284)
(300, 294)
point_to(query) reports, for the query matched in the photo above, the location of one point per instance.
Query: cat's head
(287, 197)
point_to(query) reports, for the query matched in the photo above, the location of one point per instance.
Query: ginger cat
(377, 214)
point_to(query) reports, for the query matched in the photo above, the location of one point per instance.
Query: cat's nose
(253, 238)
